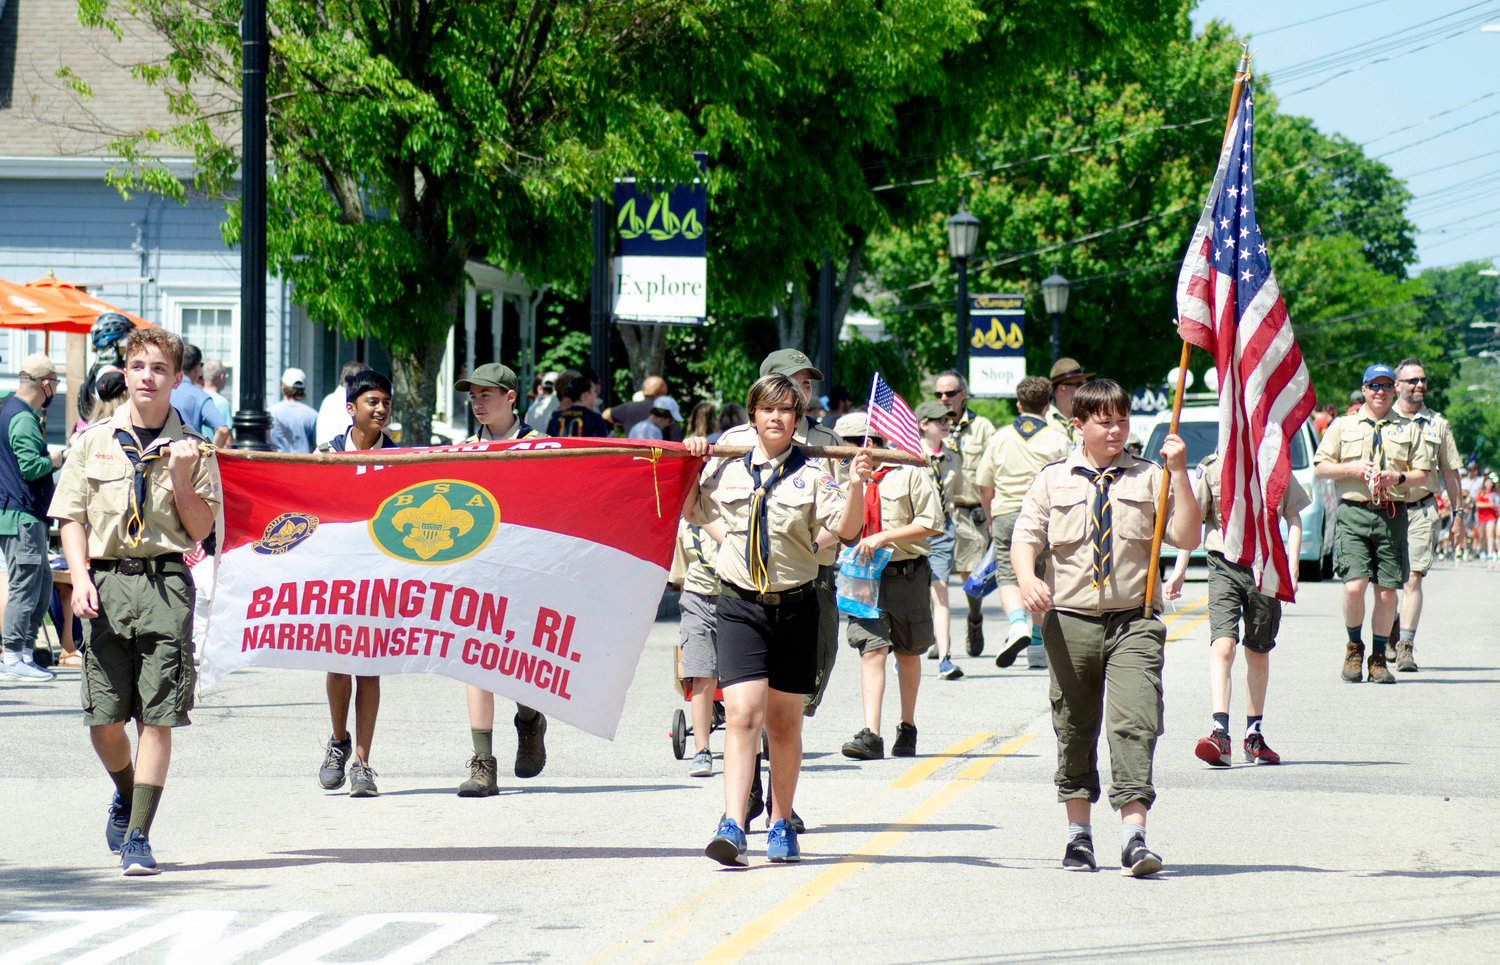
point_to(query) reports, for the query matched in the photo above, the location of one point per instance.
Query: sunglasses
(947, 395)
(1421, 381)
(1380, 386)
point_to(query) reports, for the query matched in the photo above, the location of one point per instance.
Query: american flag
(1228, 303)
(893, 419)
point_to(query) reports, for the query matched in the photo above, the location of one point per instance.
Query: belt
(1424, 501)
(905, 566)
(795, 595)
(136, 565)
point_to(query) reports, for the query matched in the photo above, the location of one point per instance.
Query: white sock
(1076, 831)
(1128, 831)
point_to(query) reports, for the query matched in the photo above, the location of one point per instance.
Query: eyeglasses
(947, 395)
(1380, 386)
(1421, 381)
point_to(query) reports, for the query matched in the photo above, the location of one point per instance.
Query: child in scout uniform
(368, 402)
(778, 509)
(1096, 512)
(137, 492)
(1371, 455)
(492, 395)
(934, 418)
(693, 569)
(1232, 595)
(902, 510)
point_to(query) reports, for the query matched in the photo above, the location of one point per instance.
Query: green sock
(484, 742)
(525, 714)
(1018, 617)
(143, 808)
(124, 780)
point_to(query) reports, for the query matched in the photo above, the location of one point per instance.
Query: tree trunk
(846, 285)
(414, 381)
(645, 351)
(791, 321)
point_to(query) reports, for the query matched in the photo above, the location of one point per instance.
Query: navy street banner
(997, 360)
(661, 244)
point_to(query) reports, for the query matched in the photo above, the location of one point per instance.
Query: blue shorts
(940, 554)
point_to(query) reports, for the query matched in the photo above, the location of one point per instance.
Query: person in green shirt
(25, 492)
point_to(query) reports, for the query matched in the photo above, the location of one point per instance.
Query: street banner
(661, 244)
(997, 359)
(533, 574)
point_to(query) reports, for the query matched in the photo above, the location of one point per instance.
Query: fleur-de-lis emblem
(430, 528)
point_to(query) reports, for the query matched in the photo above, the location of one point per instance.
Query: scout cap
(1066, 368)
(1377, 371)
(294, 378)
(856, 426)
(491, 374)
(932, 409)
(37, 366)
(668, 405)
(789, 361)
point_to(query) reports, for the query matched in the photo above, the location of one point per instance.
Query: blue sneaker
(948, 670)
(118, 823)
(781, 843)
(728, 845)
(135, 857)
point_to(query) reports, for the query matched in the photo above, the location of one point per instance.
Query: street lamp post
(963, 235)
(1055, 299)
(252, 423)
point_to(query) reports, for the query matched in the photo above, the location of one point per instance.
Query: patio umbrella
(24, 307)
(92, 307)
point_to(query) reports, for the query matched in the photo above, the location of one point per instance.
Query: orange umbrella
(24, 307)
(90, 306)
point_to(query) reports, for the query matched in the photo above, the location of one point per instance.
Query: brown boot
(1379, 673)
(1354, 663)
(1405, 662)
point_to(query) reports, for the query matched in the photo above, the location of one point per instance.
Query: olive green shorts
(905, 621)
(1232, 596)
(1004, 528)
(1369, 544)
(138, 652)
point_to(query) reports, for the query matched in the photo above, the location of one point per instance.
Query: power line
(1324, 16)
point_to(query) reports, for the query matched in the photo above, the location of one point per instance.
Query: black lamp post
(963, 234)
(252, 423)
(1055, 298)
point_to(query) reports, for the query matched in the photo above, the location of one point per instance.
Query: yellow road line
(726, 891)
(929, 766)
(978, 769)
(1187, 627)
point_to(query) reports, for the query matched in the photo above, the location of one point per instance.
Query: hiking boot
(118, 823)
(948, 670)
(1378, 672)
(728, 845)
(1405, 662)
(1214, 749)
(974, 641)
(906, 740)
(1020, 639)
(1390, 653)
(703, 764)
(1137, 860)
(1256, 751)
(135, 856)
(362, 780)
(331, 774)
(1036, 657)
(1079, 855)
(866, 746)
(781, 843)
(482, 780)
(1354, 662)
(531, 749)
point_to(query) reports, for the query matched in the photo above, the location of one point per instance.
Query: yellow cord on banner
(655, 458)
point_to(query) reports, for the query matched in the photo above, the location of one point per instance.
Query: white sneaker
(21, 670)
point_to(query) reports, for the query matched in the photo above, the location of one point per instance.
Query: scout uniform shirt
(908, 494)
(1062, 424)
(969, 436)
(518, 430)
(798, 508)
(1057, 513)
(97, 486)
(1351, 438)
(1014, 457)
(946, 476)
(693, 561)
(1436, 438)
(809, 433)
(1210, 471)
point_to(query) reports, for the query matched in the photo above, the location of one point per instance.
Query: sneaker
(135, 856)
(865, 746)
(483, 780)
(118, 823)
(932, 653)
(1405, 662)
(331, 774)
(1256, 751)
(781, 843)
(703, 764)
(531, 750)
(1137, 860)
(1214, 749)
(1036, 657)
(1379, 673)
(30, 672)
(1020, 639)
(728, 845)
(362, 780)
(974, 640)
(1079, 855)
(948, 670)
(906, 740)
(1354, 663)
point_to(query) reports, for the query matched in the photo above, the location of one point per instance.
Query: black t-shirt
(147, 436)
(577, 420)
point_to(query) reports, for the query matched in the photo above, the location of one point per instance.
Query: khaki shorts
(1423, 530)
(1368, 544)
(1005, 573)
(1232, 596)
(970, 540)
(905, 621)
(138, 652)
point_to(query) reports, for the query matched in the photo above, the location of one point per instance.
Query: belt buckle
(131, 566)
(771, 599)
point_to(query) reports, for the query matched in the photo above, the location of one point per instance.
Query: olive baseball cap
(492, 374)
(932, 409)
(789, 361)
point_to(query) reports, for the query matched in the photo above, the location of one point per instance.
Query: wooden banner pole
(382, 457)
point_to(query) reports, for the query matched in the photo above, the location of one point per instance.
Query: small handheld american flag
(893, 419)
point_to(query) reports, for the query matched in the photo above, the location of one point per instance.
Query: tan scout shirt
(1062, 424)
(1055, 515)
(1350, 438)
(1012, 460)
(96, 481)
(514, 432)
(946, 476)
(808, 434)
(693, 561)
(1206, 490)
(1436, 438)
(970, 435)
(908, 494)
(800, 506)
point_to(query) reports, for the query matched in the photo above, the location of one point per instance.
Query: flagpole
(1241, 74)
(868, 406)
(385, 457)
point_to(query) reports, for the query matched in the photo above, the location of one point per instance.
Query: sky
(1407, 63)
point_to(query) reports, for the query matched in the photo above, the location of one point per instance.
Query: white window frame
(215, 299)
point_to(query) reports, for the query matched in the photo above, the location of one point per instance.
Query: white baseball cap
(294, 378)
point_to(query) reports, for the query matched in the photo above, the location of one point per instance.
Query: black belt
(795, 595)
(1429, 498)
(905, 566)
(136, 565)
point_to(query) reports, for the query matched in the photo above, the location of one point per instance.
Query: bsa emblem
(797, 481)
(441, 521)
(284, 532)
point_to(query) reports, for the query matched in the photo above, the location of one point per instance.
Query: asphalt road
(1375, 839)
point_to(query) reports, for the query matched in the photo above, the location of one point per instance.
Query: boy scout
(969, 434)
(901, 510)
(933, 418)
(1096, 511)
(694, 571)
(1371, 454)
(136, 493)
(492, 394)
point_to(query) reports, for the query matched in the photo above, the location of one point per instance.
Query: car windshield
(1202, 438)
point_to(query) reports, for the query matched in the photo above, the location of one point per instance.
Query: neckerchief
(135, 520)
(872, 501)
(695, 544)
(1377, 442)
(937, 477)
(758, 543)
(1029, 425)
(1102, 515)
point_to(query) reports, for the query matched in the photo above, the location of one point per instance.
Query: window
(211, 328)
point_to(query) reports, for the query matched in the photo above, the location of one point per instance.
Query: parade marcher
(369, 407)
(25, 494)
(1067, 378)
(1233, 596)
(136, 493)
(663, 421)
(693, 570)
(1423, 519)
(1466, 511)
(575, 415)
(1096, 512)
(1371, 455)
(107, 336)
(1011, 461)
(333, 411)
(493, 389)
(934, 419)
(197, 411)
(969, 434)
(902, 510)
(294, 423)
(778, 508)
(215, 378)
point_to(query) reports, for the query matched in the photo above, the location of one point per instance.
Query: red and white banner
(535, 578)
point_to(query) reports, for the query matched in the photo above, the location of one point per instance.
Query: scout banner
(518, 567)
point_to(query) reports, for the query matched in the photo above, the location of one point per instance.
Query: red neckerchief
(872, 501)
